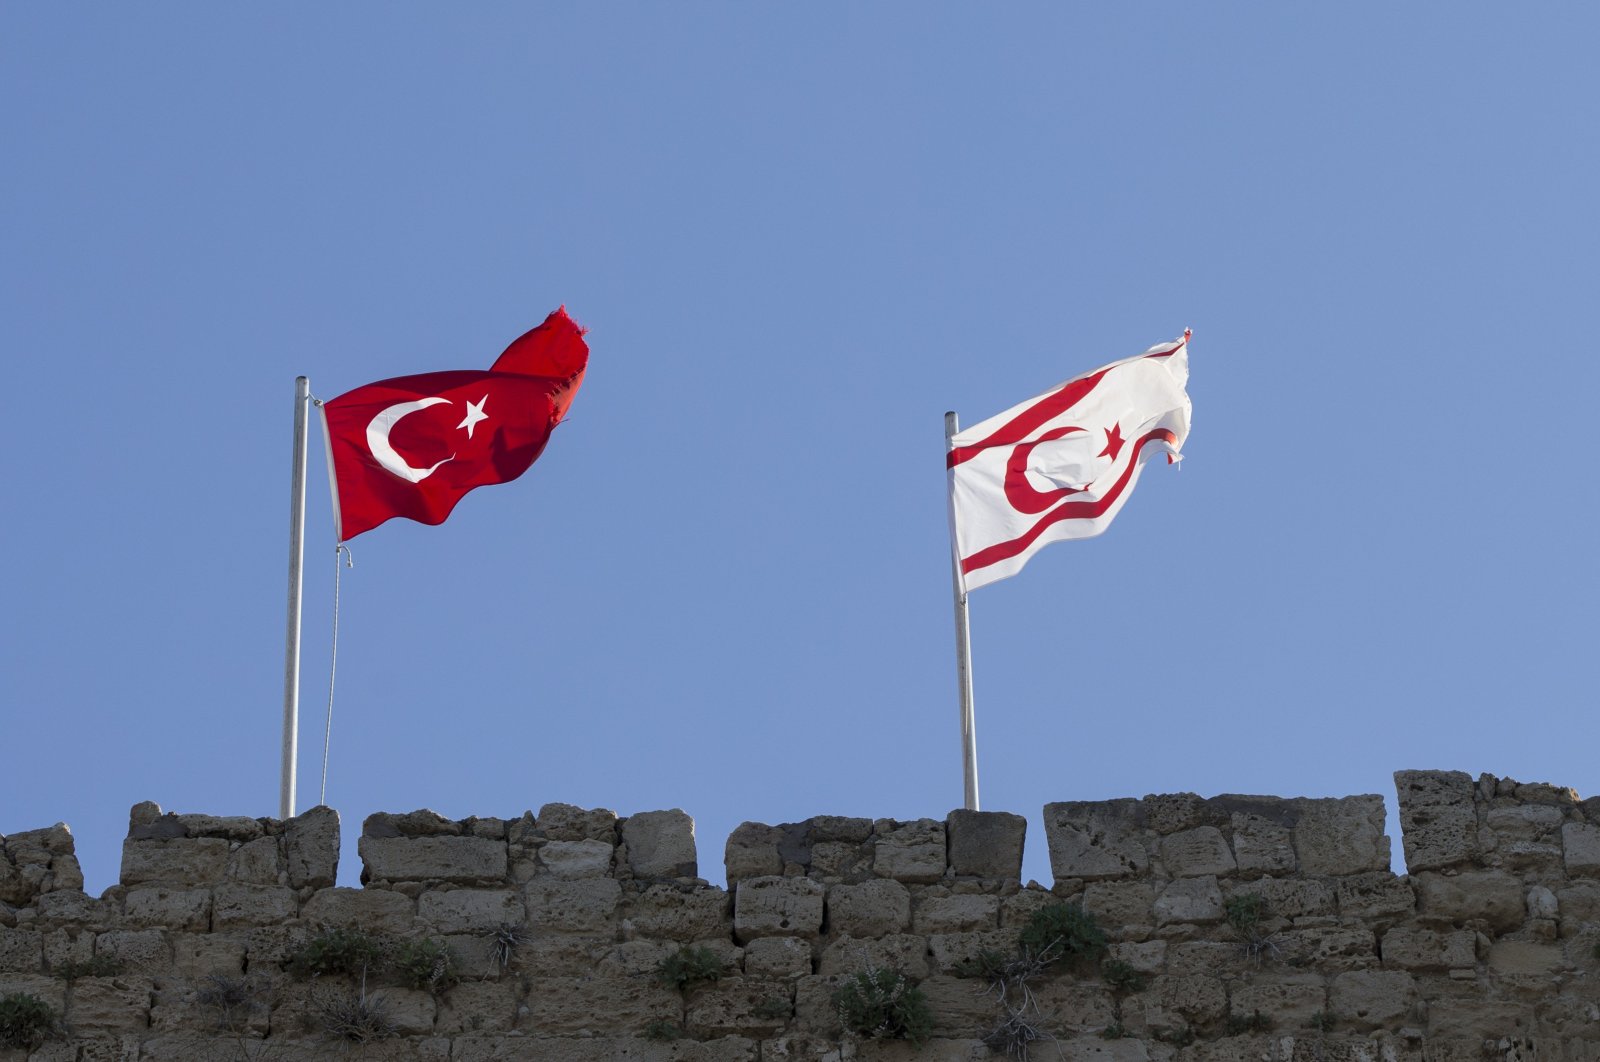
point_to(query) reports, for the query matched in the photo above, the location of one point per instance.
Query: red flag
(414, 445)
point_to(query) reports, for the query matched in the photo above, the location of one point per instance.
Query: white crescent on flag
(1062, 465)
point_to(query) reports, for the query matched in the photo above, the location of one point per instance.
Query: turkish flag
(1062, 465)
(414, 445)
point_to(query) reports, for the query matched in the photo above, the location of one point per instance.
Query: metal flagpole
(297, 549)
(969, 737)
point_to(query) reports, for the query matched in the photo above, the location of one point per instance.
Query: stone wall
(560, 923)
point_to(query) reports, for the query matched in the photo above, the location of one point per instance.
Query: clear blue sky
(798, 235)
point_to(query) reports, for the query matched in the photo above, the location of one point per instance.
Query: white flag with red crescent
(1061, 465)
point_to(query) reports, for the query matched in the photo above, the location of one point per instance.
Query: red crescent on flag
(1019, 492)
(1070, 510)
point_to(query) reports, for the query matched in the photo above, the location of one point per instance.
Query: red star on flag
(1114, 441)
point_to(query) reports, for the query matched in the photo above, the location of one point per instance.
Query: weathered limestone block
(950, 950)
(1199, 852)
(912, 852)
(986, 844)
(38, 862)
(572, 955)
(778, 958)
(168, 906)
(1348, 947)
(1019, 907)
(424, 822)
(1203, 956)
(257, 862)
(479, 1007)
(21, 951)
(814, 1012)
(636, 958)
(1196, 900)
(1290, 1000)
(1176, 1002)
(99, 1005)
(1478, 1021)
(1166, 813)
(1416, 949)
(736, 1005)
(666, 912)
(567, 822)
(1438, 818)
(1579, 904)
(957, 1010)
(1372, 999)
(469, 910)
(1341, 835)
(660, 844)
(871, 909)
(956, 914)
(143, 951)
(437, 858)
(1120, 903)
(66, 946)
(370, 910)
(597, 1006)
(1492, 897)
(1095, 840)
(52, 991)
(752, 852)
(199, 955)
(311, 848)
(1147, 956)
(770, 907)
(181, 861)
(238, 828)
(844, 861)
(1527, 959)
(179, 1008)
(588, 905)
(1287, 897)
(236, 905)
(1261, 846)
(1542, 903)
(905, 952)
(1580, 843)
(1377, 895)
(576, 859)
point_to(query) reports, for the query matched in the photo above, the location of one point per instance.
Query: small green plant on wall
(26, 1021)
(1062, 932)
(879, 1003)
(688, 967)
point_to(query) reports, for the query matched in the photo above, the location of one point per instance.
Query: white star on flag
(475, 413)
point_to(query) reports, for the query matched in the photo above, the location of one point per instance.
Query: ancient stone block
(1203, 956)
(1328, 947)
(424, 822)
(469, 910)
(956, 914)
(235, 904)
(99, 1005)
(369, 910)
(663, 911)
(957, 1010)
(986, 844)
(1120, 903)
(1490, 896)
(1176, 1002)
(168, 906)
(737, 1005)
(1438, 818)
(439, 858)
(911, 851)
(238, 828)
(1413, 948)
(1376, 895)
(21, 951)
(257, 862)
(597, 1006)
(199, 955)
(1371, 999)
(1261, 846)
(1290, 1002)
(777, 957)
(479, 1007)
(949, 951)
(1478, 1021)
(181, 861)
(576, 859)
(1196, 853)
(752, 852)
(869, 909)
(1525, 958)
(311, 848)
(566, 822)
(1581, 846)
(1288, 897)
(1166, 813)
(835, 861)
(1095, 840)
(771, 906)
(1189, 900)
(587, 905)
(1341, 836)
(142, 950)
(905, 952)
(660, 844)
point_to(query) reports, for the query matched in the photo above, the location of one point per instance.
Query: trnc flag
(1061, 465)
(413, 446)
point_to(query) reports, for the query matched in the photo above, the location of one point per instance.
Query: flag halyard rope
(333, 662)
